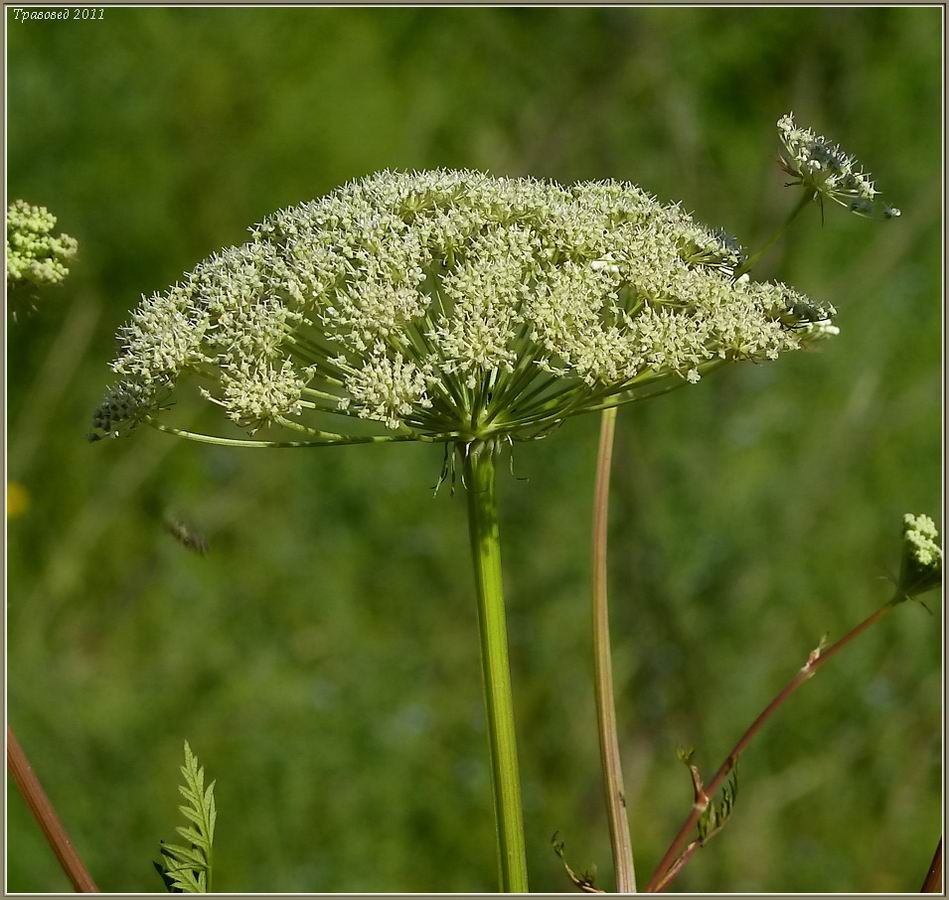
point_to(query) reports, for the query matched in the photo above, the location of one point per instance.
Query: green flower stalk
(34, 255)
(457, 308)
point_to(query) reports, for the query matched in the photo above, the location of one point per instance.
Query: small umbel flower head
(452, 306)
(34, 255)
(921, 568)
(826, 171)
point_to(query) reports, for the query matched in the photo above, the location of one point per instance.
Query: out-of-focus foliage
(324, 653)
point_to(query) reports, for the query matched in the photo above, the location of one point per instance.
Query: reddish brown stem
(674, 869)
(933, 882)
(46, 817)
(663, 875)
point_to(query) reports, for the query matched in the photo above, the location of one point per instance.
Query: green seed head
(454, 306)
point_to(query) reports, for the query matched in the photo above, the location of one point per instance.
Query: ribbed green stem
(603, 671)
(480, 469)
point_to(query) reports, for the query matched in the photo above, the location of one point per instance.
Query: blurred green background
(323, 658)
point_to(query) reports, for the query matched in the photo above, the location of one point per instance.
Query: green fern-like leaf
(188, 869)
(716, 814)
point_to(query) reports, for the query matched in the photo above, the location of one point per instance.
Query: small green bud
(685, 755)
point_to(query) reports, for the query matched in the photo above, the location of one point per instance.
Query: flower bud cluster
(34, 255)
(824, 169)
(452, 305)
(922, 556)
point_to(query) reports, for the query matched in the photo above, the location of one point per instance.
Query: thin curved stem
(805, 199)
(480, 471)
(669, 866)
(328, 442)
(46, 817)
(603, 670)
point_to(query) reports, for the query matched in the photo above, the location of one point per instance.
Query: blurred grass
(323, 658)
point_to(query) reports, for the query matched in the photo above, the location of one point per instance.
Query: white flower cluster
(921, 569)
(922, 539)
(452, 305)
(34, 255)
(823, 168)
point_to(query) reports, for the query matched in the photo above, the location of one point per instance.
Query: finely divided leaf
(716, 814)
(188, 869)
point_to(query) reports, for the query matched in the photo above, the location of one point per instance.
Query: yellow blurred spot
(18, 500)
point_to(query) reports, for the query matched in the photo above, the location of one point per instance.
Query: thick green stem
(603, 671)
(479, 467)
